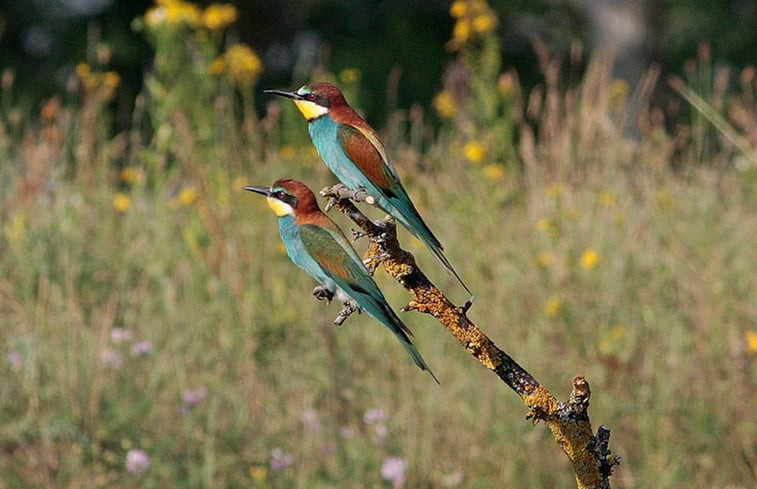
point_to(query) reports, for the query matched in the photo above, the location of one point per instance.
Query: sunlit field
(155, 334)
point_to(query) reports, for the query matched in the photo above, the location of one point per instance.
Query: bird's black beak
(258, 190)
(284, 93)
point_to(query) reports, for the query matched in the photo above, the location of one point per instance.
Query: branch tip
(580, 395)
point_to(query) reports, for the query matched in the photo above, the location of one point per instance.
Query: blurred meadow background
(154, 333)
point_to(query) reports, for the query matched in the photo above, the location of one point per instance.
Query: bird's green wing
(338, 259)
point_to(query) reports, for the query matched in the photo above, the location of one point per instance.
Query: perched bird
(315, 243)
(353, 152)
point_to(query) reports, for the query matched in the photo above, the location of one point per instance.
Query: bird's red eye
(311, 97)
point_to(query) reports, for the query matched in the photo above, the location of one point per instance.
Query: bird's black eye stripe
(285, 197)
(317, 99)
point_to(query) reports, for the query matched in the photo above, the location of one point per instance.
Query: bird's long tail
(389, 318)
(416, 355)
(439, 253)
(408, 215)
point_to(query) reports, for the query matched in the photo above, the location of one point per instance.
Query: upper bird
(315, 243)
(353, 152)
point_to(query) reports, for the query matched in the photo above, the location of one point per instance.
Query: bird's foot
(348, 308)
(323, 294)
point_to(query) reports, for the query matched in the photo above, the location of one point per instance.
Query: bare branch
(568, 421)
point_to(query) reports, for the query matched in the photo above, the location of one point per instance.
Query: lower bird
(315, 244)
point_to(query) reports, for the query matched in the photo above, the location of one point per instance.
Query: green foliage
(148, 305)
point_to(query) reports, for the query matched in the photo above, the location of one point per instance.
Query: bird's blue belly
(290, 236)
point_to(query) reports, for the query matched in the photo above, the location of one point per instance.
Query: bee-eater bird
(315, 243)
(353, 152)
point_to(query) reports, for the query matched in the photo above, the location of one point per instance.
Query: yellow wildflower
(287, 152)
(445, 105)
(178, 11)
(545, 225)
(606, 198)
(121, 202)
(191, 239)
(217, 66)
(473, 18)
(15, 228)
(83, 70)
(544, 259)
(155, 16)
(664, 198)
(614, 341)
(572, 213)
(474, 151)
(494, 172)
(589, 259)
(242, 64)
(258, 473)
(554, 190)
(458, 9)
(350, 75)
(173, 12)
(219, 16)
(130, 175)
(751, 341)
(484, 23)
(187, 196)
(553, 306)
(111, 80)
(461, 33)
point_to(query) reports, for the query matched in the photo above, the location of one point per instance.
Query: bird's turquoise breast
(290, 236)
(325, 137)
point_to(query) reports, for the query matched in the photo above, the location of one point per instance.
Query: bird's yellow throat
(310, 110)
(280, 208)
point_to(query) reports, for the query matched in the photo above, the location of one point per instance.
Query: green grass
(658, 325)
